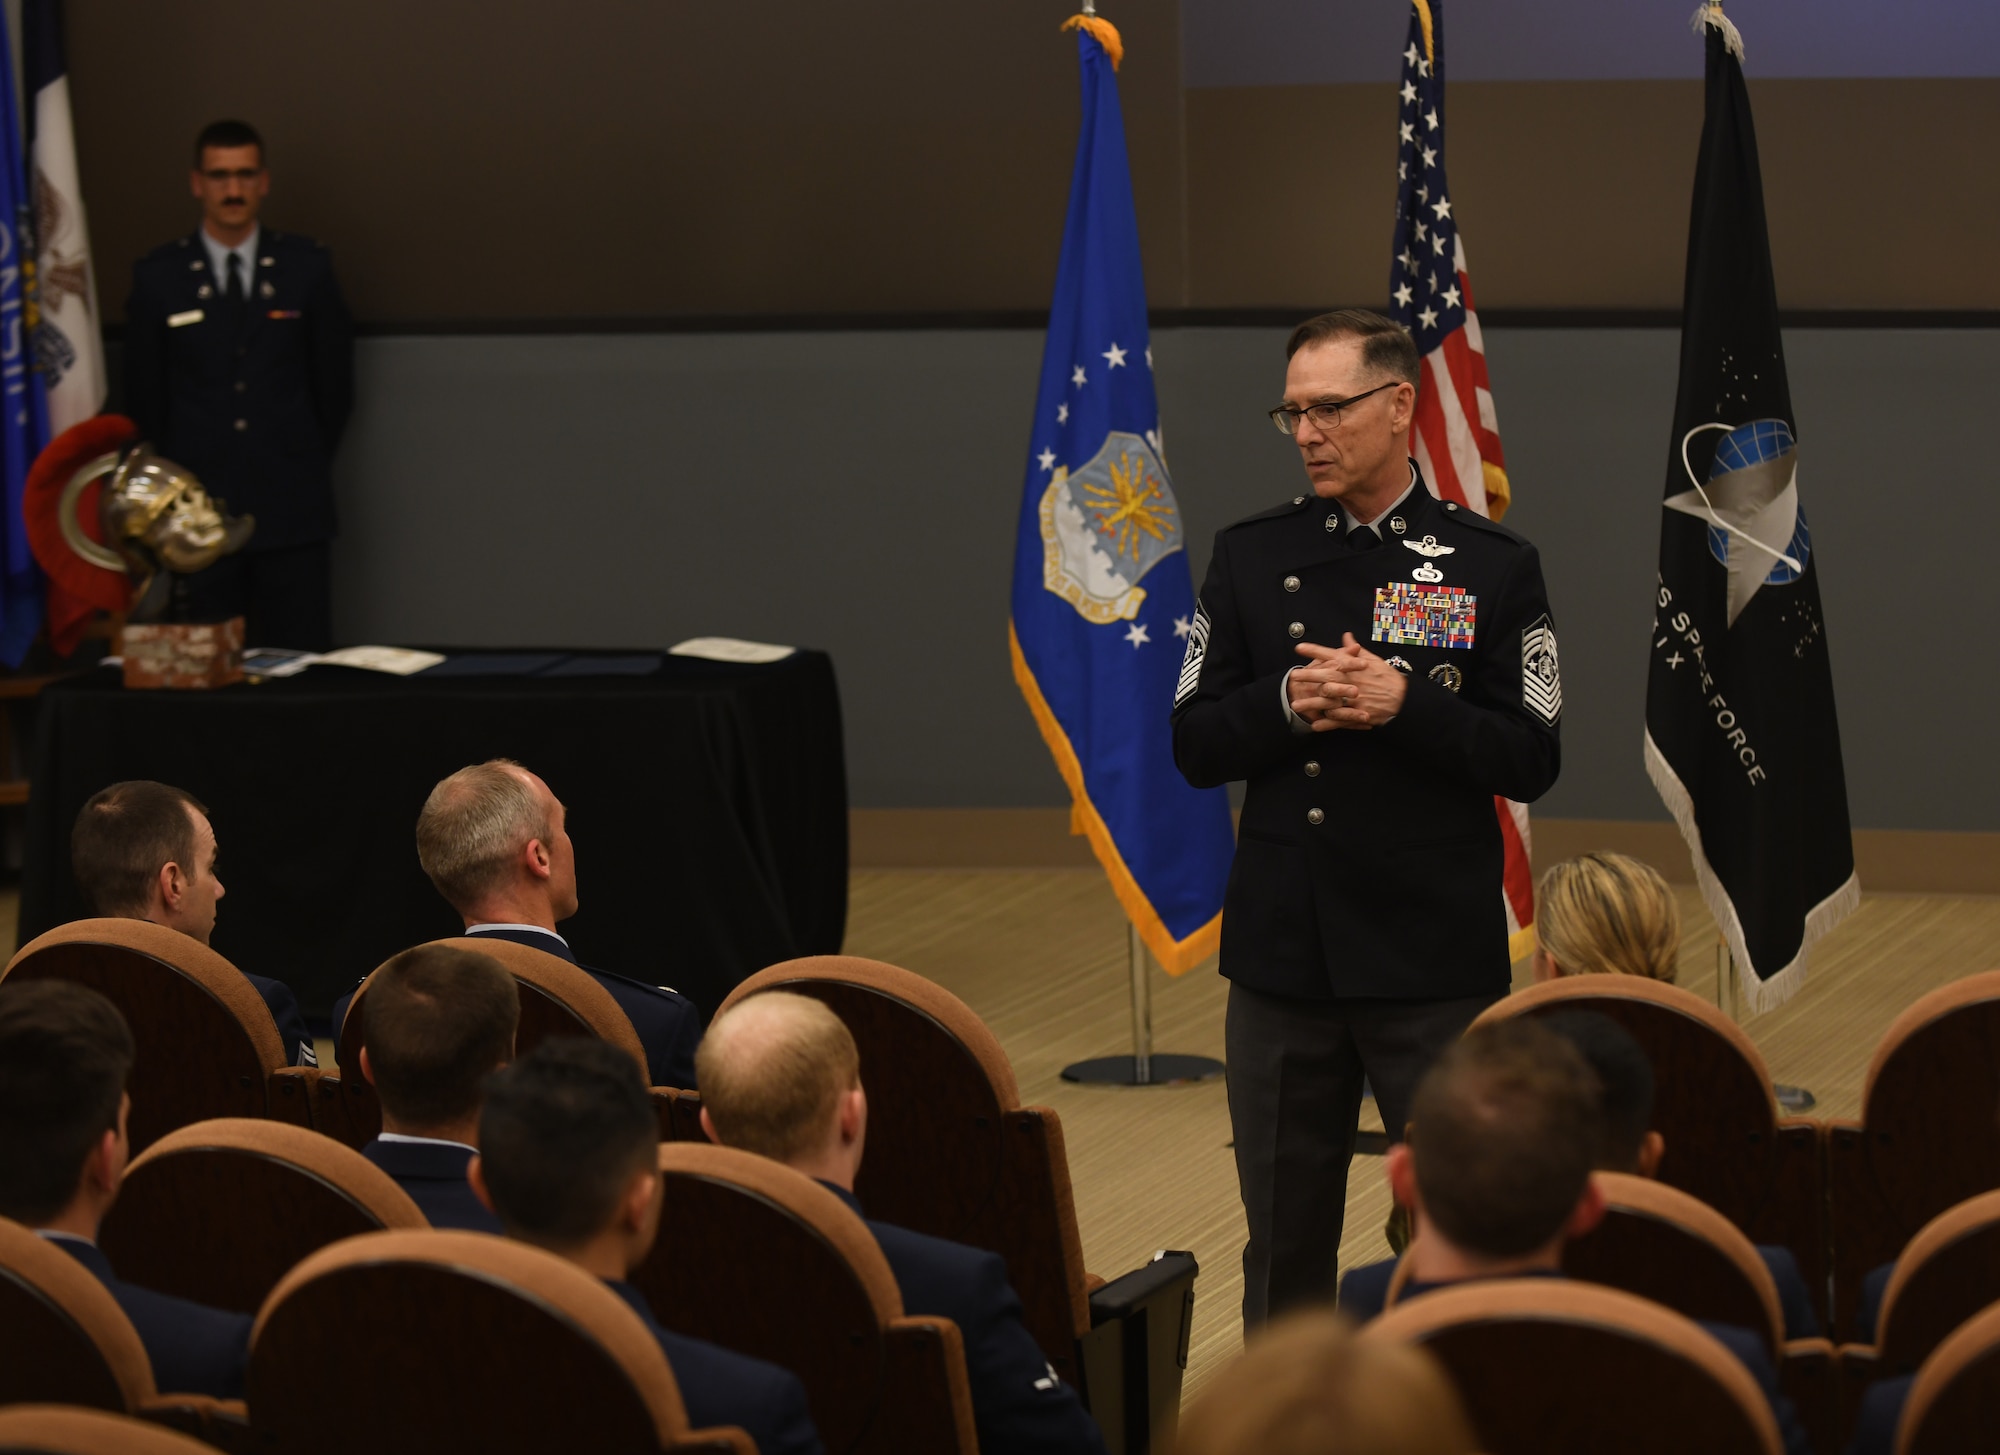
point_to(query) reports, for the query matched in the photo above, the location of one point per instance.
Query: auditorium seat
(207, 1046)
(407, 1343)
(1662, 1244)
(220, 1211)
(53, 1429)
(557, 999)
(953, 1153)
(1727, 1143)
(1954, 1404)
(1552, 1365)
(1948, 1272)
(763, 1260)
(66, 1341)
(1927, 1139)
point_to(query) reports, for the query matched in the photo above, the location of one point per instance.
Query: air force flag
(1103, 602)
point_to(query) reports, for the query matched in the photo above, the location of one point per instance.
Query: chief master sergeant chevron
(1377, 664)
(239, 365)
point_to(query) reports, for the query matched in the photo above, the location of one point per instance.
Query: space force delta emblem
(1541, 674)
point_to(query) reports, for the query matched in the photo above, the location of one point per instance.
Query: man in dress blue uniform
(1378, 665)
(438, 1021)
(781, 1077)
(239, 365)
(65, 1057)
(569, 1161)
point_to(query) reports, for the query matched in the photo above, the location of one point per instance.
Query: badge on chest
(1420, 614)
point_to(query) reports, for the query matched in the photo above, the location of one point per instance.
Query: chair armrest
(1091, 1283)
(1856, 1368)
(223, 1423)
(678, 1114)
(926, 1393)
(290, 1094)
(1806, 1375)
(713, 1441)
(1150, 1311)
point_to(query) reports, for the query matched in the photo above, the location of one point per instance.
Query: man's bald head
(772, 1072)
(475, 825)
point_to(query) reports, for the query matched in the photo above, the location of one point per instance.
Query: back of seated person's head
(1606, 914)
(65, 1056)
(475, 826)
(1505, 1131)
(437, 1020)
(566, 1135)
(1306, 1385)
(774, 1070)
(123, 836)
(1625, 1077)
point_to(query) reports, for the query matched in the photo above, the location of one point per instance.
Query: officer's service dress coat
(254, 408)
(1368, 863)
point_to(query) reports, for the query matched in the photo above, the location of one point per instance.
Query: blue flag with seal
(23, 401)
(1103, 598)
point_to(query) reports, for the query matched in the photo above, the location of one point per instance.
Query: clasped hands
(1346, 686)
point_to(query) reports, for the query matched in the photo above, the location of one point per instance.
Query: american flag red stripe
(1455, 436)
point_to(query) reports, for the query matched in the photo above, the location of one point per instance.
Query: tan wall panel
(1575, 194)
(514, 160)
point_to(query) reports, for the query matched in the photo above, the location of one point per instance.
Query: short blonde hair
(772, 1070)
(473, 825)
(1607, 914)
(1308, 1385)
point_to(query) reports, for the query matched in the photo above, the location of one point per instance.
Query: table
(707, 802)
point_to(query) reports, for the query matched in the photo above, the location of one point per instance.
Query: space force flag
(1741, 740)
(1103, 600)
(1455, 434)
(69, 344)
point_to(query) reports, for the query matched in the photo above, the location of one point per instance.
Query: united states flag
(1456, 434)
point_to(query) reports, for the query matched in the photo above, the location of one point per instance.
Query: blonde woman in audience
(1606, 914)
(1306, 1385)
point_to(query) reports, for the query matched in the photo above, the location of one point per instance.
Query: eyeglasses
(1325, 417)
(240, 174)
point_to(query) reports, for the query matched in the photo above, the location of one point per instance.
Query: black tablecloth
(707, 802)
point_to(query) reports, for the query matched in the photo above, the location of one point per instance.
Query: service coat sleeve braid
(1486, 734)
(146, 359)
(331, 352)
(1233, 724)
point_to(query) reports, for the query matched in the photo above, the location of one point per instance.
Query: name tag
(1425, 616)
(177, 320)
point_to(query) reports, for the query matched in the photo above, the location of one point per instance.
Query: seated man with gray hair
(492, 839)
(781, 1077)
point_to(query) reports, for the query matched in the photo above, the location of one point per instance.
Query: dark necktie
(234, 291)
(1362, 538)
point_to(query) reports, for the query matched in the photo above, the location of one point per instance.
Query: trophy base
(183, 656)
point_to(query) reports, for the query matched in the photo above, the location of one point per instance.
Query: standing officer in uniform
(1377, 664)
(239, 364)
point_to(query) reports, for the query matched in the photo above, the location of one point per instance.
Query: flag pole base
(1142, 1067)
(1161, 1070)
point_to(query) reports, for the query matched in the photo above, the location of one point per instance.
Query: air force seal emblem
(1105, 526)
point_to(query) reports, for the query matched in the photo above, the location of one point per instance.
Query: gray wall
(857, 492)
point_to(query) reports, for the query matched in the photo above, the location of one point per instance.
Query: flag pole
(1142, 1067)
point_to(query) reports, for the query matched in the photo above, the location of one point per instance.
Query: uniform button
(241, 425)
(1291, 583)
(1451, 505)
(1314, 816)
(1298, 500)
(1312, 768)
(1297, 628)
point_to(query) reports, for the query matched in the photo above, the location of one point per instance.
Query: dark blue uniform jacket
(284, 1007)
(1018, 1403)
(1338, 825)
(721, 1387)
(254, 408)
(194, 1349)
(433, 1174)
(669, 1025)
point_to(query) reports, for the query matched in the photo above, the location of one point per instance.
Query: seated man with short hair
(569, 1161)
(1505, 1131)
(1625, 1079)
(65, 1056)
(781, 1077)
(145, 850)
(493, 840)
(438, 1021)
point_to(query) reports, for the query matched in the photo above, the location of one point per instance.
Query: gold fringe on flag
(1430, 33)
(1106, 34)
